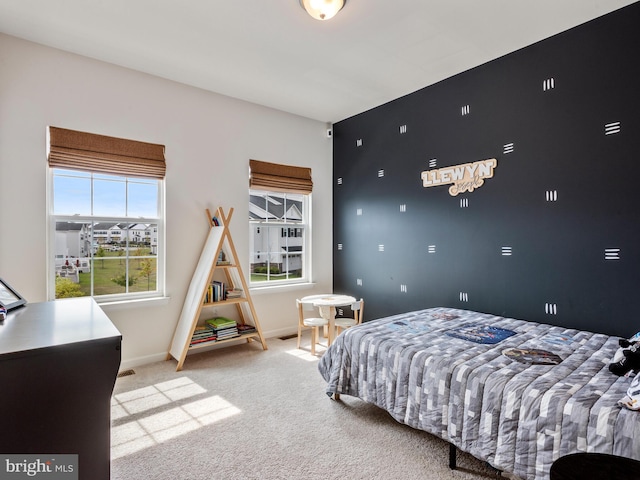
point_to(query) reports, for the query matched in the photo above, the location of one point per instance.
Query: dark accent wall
(553, 237)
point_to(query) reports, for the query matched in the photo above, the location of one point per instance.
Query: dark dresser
(58, 365)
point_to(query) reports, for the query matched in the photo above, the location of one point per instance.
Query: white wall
(209, 140)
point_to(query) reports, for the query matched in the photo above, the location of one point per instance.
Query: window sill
(281, 288)
(137, 303)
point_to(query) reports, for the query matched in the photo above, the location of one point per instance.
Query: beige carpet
(244, 413)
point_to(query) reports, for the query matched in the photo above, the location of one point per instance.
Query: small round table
(327, 304)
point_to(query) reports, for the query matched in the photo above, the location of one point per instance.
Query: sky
(113, 196)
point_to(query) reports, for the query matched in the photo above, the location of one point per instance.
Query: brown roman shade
(102, 154)
(279, 178)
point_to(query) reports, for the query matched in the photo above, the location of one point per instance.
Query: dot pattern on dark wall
(553, 236)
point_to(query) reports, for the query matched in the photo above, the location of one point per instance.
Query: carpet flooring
(244, 413)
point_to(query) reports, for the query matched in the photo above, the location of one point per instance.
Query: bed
(513, 393)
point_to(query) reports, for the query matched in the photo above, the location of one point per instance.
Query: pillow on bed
(619, 355)
(632, 399)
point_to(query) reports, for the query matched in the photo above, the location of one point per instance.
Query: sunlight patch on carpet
(303, 355)
(144, 431)
(153, 396)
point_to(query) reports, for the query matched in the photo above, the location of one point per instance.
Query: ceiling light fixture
(322, 9)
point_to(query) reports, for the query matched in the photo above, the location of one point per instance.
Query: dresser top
(56, 323)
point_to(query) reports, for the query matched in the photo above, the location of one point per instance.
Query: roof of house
(69, 226)
(272, 208)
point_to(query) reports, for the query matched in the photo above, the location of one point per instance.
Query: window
(278, 239)
(106, 239)
(106, 217)
(279, 219)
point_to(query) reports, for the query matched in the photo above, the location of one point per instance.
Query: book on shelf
(203, 334)
(233, 293)
(223, 327)
(196, 341)
(209, 333)
(229, 335)
(218, 291)
(215, 292)
(245, 328)
(221, 322)
(201, 330)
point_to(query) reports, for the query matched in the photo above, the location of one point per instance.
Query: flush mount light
(322, 9)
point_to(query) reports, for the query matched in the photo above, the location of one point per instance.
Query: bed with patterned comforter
(516, 394)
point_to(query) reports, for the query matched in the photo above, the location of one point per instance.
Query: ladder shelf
(198, 303)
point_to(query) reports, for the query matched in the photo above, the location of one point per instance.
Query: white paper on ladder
(193, 300)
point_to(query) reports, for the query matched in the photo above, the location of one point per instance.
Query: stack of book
(233, 293)
(223, 327)
(243, 328)
(203, 334)
(217, 291)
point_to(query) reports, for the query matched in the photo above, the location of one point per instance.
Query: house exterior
(72, 249)
(71, 240)
(76, 241)
(275, 241)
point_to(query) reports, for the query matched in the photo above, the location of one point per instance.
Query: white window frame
(52, 218)
(277, 225)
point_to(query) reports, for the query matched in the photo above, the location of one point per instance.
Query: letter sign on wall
(465, 178)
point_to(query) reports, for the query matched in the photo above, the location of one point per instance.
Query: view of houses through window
(106, 236)
(277, 240)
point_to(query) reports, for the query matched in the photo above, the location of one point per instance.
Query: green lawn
(262, 277)
(112, 266)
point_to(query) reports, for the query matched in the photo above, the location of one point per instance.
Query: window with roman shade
(279, 220)
(279, 178)
(107, 216)
(98, 153)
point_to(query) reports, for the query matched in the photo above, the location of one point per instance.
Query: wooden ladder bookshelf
(198, 296)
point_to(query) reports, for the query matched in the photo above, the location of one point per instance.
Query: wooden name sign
(465, 178)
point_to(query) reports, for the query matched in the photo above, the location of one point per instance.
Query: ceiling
(270, 52)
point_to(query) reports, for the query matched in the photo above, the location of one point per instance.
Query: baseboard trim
(159, 357)
(137, 361)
